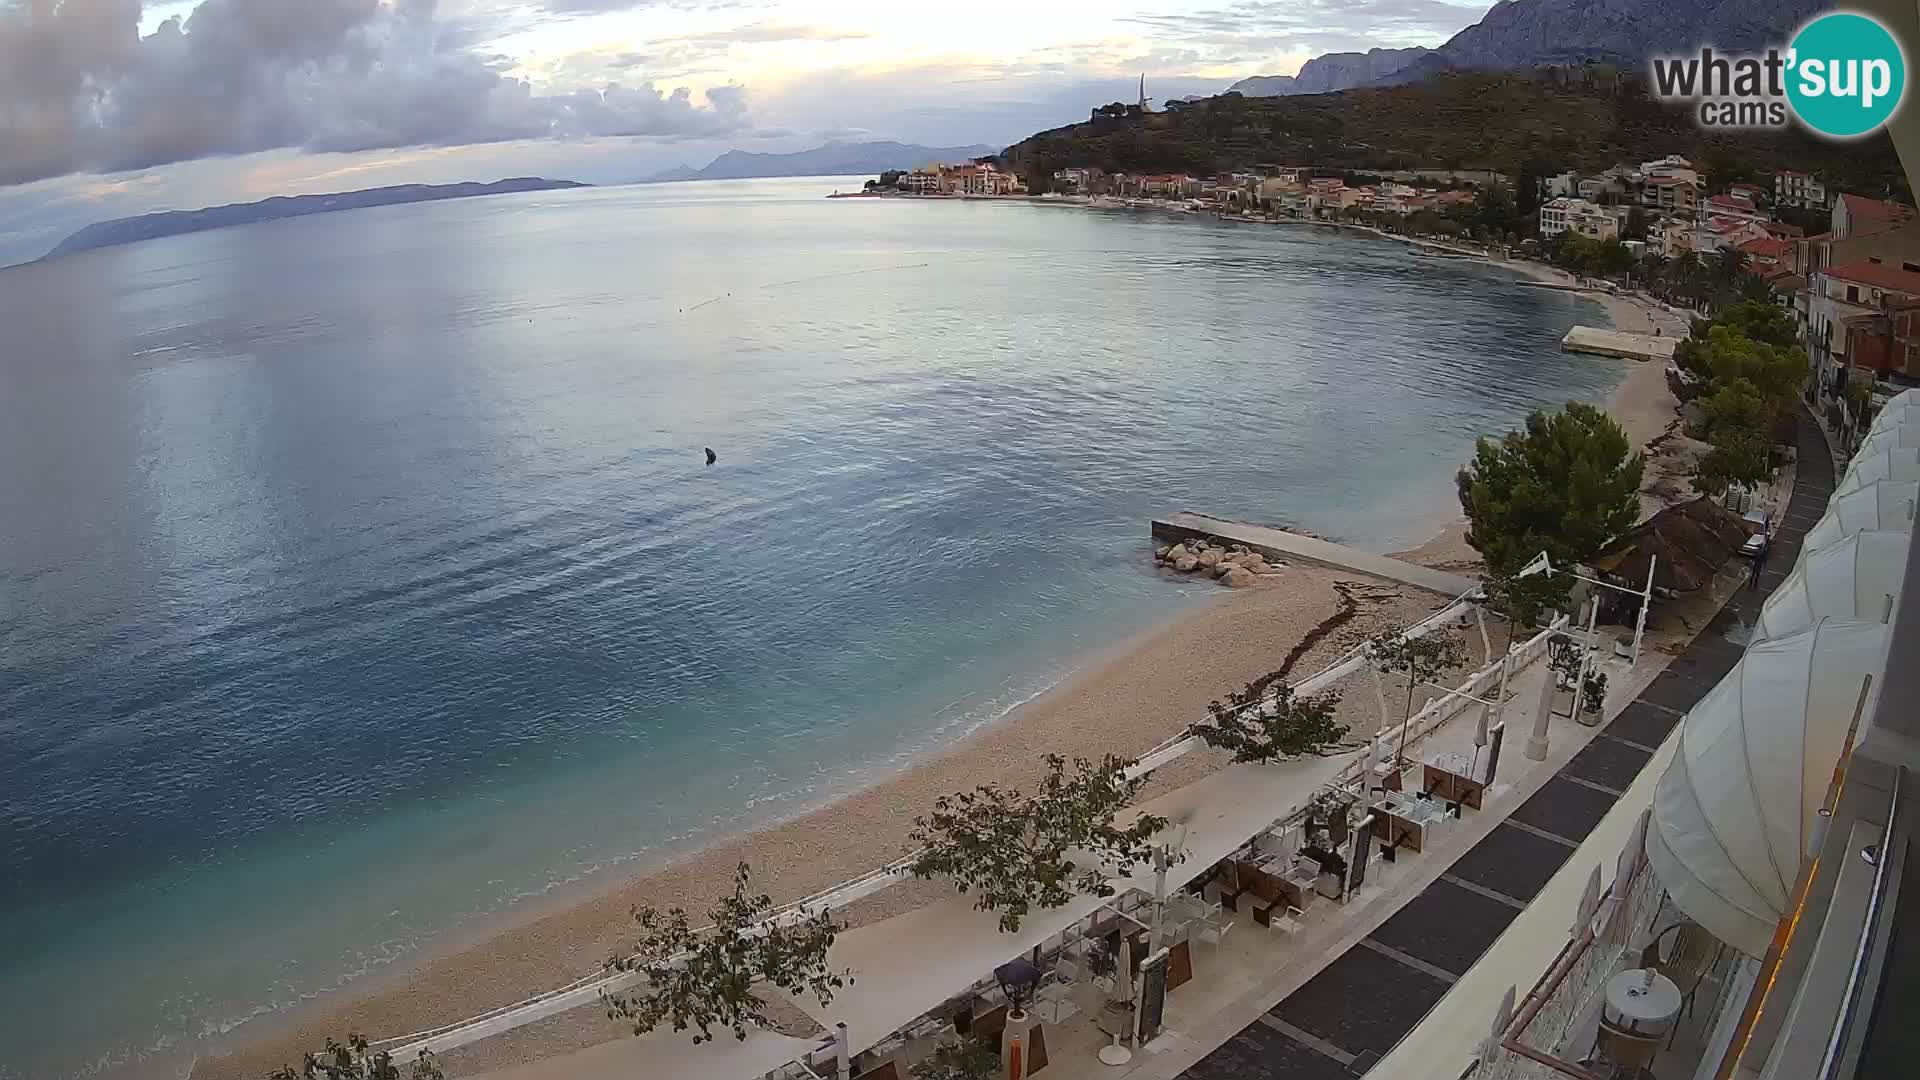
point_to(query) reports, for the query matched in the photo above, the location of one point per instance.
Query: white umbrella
(1889, 464)
(1734, 814)
(1851, 579)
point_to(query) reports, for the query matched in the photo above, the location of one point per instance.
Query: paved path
(1281, 544)
(1351, 1014)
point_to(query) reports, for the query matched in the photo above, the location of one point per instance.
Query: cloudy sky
(110, 107)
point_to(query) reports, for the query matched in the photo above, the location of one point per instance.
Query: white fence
(588, 988)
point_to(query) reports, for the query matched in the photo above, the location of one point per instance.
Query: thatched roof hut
(1693, 540)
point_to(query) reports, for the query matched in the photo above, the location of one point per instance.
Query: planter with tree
(1418, 660)
(711, 978)
(1016, 851)
(1266, 721)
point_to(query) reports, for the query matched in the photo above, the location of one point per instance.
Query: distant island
(129, 230)
(832, 159)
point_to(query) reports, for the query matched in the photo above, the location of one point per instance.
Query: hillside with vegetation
(1546, 120)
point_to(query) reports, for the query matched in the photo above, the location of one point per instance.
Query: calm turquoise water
(361, 576)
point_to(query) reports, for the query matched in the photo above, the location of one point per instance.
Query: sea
(363, 580)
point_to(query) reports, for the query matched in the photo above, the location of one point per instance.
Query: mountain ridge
(131, 230)
(834, 158)
(1331, 71)
(1516, 34)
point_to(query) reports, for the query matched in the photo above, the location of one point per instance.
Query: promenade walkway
(1347, 1017)
(1281, 544)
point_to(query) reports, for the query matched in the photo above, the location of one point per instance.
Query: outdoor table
(1454, 777)
(1640, 1006)
(1299, 885)
(1397, 823)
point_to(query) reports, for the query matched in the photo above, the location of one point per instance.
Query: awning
(1733, 814)
(908, 965)
(1891, 464)
(1848, 580)
(1884, 504)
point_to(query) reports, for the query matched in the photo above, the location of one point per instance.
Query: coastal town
(1845, 264)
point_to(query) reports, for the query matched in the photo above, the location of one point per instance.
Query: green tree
(1636, 226)
(1418, 660)
(1736, 457)
(959, 1059)
(1266, 721)
(354, 1060)
(1766, 323)
(1015, 852)
(710, 978)
(1566, 485)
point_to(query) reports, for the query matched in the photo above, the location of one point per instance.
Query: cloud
(768, 32)
(1269, 26)
(81, 91)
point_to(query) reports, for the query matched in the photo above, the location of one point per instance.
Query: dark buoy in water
(711, 456)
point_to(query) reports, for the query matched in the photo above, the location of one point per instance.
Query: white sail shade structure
(1894, 437)
(1903, 409)
(1891, 464)
(1854, 579)
(1734, 814)
(1885, 504)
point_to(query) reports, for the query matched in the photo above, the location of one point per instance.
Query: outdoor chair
(1286, 922)
(1212, 928)
(1057, 1000)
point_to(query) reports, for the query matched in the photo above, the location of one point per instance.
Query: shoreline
(1123, 699)
(1120, 698)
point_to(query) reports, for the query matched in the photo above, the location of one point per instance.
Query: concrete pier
(1280, 544)
(1592, 339)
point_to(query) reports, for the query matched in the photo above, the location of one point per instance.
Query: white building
(1580, 216)
(1792, 188)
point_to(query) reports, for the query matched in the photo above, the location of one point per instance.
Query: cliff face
(1333, 71)
(1523, 33)
(1526, 33)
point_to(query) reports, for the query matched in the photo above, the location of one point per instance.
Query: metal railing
(1831, 1061)
(1535, 1042)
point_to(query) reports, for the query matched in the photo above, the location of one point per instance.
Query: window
(1853, 294)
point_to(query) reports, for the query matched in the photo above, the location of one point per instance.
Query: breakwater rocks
(1233, 565)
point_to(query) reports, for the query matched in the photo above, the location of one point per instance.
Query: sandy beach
(1123, 701)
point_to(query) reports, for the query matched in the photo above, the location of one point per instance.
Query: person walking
(1759, 564)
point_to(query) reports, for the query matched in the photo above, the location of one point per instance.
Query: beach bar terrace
(1278, 851)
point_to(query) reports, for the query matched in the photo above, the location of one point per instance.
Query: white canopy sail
(1850, 580)
(1891, 464)
(1903, 409)
(1885, 504)
(1733, 814)
(1893, 437)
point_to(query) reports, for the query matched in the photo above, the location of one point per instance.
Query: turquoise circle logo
(1847, 74)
